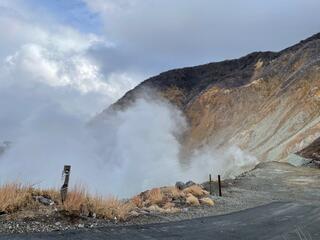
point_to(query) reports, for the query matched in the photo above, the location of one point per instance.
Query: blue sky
(74, 13)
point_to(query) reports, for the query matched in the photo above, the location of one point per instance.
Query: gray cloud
(168, 34)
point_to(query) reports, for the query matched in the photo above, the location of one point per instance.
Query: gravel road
(275, 186)
(276, 221)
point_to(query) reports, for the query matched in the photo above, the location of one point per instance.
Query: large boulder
(207, 201)
(192, 200)
(180, 185)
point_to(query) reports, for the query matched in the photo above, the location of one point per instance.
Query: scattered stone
(196, 190)
(155, 208)
(169, 205)
(80, 225)
(172, 210)
(134, 214)
(207, 201)
(180, 185)
(189, 184)
(44, 200)
(144, 211)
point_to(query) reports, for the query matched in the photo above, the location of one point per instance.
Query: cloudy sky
(81, 55)
(63, 61)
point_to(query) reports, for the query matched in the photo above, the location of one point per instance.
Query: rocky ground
(268, 182)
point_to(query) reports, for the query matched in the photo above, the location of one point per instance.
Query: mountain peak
(255, 102)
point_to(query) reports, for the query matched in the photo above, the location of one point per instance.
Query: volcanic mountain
(267, 103)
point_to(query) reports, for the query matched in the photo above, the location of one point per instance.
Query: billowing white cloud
(56, 56)
(46, 65)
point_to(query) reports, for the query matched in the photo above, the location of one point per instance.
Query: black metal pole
(210, 184)
(219, 183)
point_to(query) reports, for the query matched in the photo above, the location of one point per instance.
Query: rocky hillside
(266, 102)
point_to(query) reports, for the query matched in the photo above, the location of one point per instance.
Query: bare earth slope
(267, 103)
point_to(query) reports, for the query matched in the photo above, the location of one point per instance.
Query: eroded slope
(267, 103)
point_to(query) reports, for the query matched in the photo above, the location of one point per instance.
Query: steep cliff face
(267, 103)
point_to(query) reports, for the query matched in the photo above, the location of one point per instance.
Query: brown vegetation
(16, 197)
(155, 196)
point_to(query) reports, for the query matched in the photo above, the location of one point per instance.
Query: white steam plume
(125, 153)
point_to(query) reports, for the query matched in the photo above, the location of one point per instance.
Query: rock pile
(171, 199)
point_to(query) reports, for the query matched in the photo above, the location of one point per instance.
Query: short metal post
(64, 187)
(219, 183)
(210, 184)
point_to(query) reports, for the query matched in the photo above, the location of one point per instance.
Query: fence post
(210, 184)
(64, 187)
(219, 183)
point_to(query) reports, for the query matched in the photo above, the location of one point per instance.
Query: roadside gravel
(268, 182)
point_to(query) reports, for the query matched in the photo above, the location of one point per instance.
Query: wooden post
(210, 184)
(219, 183)
(64, 187)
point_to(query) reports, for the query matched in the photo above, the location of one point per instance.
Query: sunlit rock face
(267, 103)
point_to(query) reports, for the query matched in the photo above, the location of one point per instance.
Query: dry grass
(155, 196)
(14, 197)
(17, 197)
(111, 208)
(80, 202)
(77, 201)
(137, 201)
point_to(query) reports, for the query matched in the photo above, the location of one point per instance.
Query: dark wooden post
(219, 183)
(210, 184)
(64, 187)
